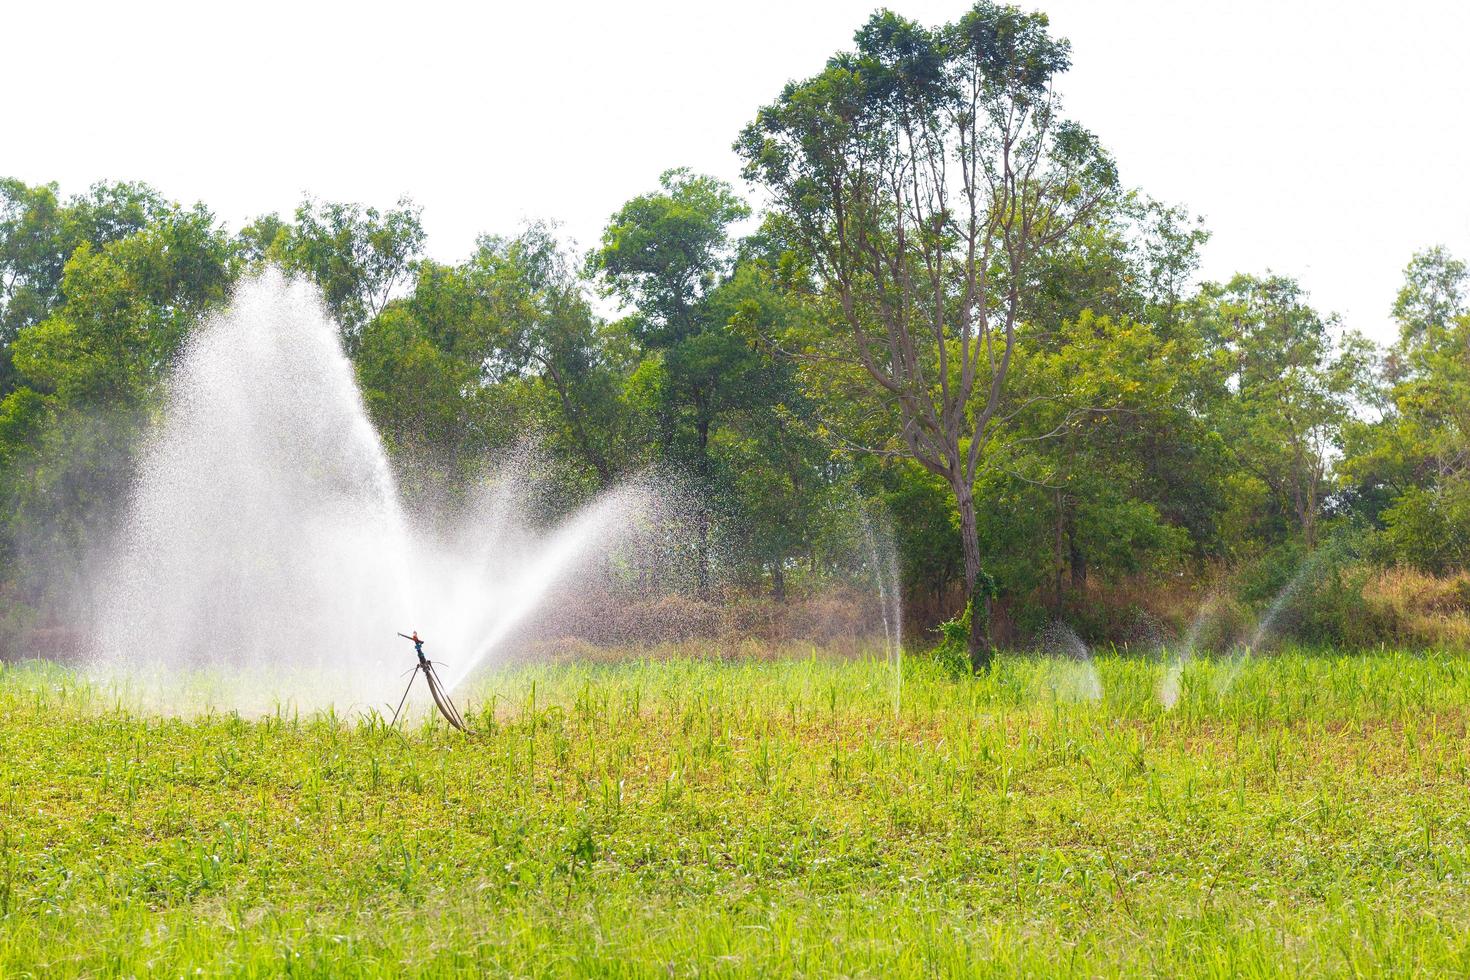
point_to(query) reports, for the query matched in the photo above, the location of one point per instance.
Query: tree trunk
(981, 652)
(585, 443)
(1058, 561)
(704, 514)
(1079, 566)
(778, 582)
(1306, 510)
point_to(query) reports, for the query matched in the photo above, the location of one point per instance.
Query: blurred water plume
(267, 561)
(1071, 676)
(265, 537)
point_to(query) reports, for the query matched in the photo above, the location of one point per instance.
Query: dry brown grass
(1421, 609)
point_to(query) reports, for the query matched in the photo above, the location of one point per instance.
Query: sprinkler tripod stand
(436, 687)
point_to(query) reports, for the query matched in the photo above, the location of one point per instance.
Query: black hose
(441, 699)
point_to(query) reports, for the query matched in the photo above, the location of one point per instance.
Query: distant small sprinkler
(436, 686)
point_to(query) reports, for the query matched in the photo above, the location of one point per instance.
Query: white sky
(1325, 140)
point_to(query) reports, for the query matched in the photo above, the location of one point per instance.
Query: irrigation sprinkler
(436, 686)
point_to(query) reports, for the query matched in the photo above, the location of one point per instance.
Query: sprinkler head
(436, 686)
(418, 646)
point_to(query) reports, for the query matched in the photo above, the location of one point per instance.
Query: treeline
(951, 308)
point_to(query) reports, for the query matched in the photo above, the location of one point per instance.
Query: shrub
(952, 653)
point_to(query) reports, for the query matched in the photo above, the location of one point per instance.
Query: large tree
(668, 256)
(38, 233)
(360, 257)
(1409, 468)
(1287, 384)
(88, 374)
(483, 352)
(1431, 300)
(922, 177)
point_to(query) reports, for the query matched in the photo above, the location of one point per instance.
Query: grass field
(1299, 814)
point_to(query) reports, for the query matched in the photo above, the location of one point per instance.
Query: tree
(31, 258)
(30, 263)
(424, 397)
(110, 212)
(1287, 388)
(1133, 258)
(662, 254)
(926, 529)
(1107, 399)
(262, 239)
(87, 375)
(548, 331)
(789, 492)
(1408, 470)
(38, 234)
(666, 255)
(922, 177)
(483, 352)
(358, 256)
(1431, 299)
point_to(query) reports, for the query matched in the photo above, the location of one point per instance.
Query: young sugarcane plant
(436, 686)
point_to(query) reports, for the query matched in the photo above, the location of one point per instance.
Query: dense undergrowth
(1321, 601)
(1304, 813)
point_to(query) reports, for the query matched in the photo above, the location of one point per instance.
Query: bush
(1430, 527)
(953, 650)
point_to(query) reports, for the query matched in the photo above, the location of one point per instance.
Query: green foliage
(952, 653)
(30, 263)
(358, 256)
(1288, 389)
(1405, 469)
(920, 178)
(86, 375)
(482, 355)
(731, 418)
(39, 234)
(662, 254)
(926, 528)
(1432, 298)
(1429, 527)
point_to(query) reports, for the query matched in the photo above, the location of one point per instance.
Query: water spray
(436, 687)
